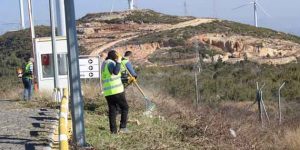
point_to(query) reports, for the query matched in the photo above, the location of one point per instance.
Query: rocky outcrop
(236, 48)
(140, 52)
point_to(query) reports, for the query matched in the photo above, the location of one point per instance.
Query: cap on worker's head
(31, 59)
(128, 53)
(112, 54)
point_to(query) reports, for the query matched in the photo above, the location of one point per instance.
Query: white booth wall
(44, 61)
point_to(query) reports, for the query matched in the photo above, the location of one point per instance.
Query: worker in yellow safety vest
(126, 69)
(113, 90)
(27, 77)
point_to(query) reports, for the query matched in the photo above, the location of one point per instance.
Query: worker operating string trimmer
(129, 76)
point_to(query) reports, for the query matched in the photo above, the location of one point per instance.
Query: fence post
(279, 101)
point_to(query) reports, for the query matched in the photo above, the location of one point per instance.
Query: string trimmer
(150, 106)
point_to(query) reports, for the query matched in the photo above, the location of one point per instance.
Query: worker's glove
(20, 75)
(119, 58)
(131, 79)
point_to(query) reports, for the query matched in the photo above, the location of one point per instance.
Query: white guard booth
(44, 61)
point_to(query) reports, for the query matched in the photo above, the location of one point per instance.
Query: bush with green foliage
(222, 81)
(14, 47)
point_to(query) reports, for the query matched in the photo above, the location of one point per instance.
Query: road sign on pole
(89, 67)
(74, 76)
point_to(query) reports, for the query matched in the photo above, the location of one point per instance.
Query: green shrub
(235, 82)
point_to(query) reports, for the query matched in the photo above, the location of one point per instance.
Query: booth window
(62, 64)
(47, 65)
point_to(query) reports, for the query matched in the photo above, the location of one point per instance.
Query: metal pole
(22, 21)
(33, 42)
(198, 67)
(74, 75)
(279, 101)
(60, 17)
(53, 39)
(264, 108)
(197, 91)
(261, 105)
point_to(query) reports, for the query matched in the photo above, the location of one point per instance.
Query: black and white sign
(89, 67)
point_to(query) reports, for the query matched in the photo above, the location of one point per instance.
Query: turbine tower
(215, 15)
(256, 5)
(255, 12)
(22, 21)
(185, 8)
(131, 4)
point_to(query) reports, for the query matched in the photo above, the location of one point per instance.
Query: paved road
(25, 128)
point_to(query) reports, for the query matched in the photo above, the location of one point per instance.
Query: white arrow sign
(89, 67)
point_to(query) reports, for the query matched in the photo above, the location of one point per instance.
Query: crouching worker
(126, 69)
(114, 91)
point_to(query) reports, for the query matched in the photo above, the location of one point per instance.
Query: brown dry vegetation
(178, 122)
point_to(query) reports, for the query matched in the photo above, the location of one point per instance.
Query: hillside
(232, 58)
(169, 35)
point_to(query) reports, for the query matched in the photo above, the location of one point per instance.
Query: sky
(283, 13)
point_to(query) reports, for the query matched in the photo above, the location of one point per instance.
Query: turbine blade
(8, 23)
(242, 6)
(263, 10)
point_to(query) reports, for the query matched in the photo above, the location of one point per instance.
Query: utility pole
(54, 52)
(22, 21)
(33, 43)
(74, 76)
(61, 18)
(31, 26)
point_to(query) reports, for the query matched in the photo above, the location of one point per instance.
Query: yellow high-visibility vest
(112, 84)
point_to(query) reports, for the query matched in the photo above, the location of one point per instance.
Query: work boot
(124, 131)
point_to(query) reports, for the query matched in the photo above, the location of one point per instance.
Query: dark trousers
(28, 88)
(113, 101)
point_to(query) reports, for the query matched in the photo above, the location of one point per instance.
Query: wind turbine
(131, 4)
(256, 5)
(215, 15)
(22, 21)
(185, 8)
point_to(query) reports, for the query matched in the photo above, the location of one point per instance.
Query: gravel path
(25, 128)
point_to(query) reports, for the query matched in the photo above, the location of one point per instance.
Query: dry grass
(188, 127)
(292, 139)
